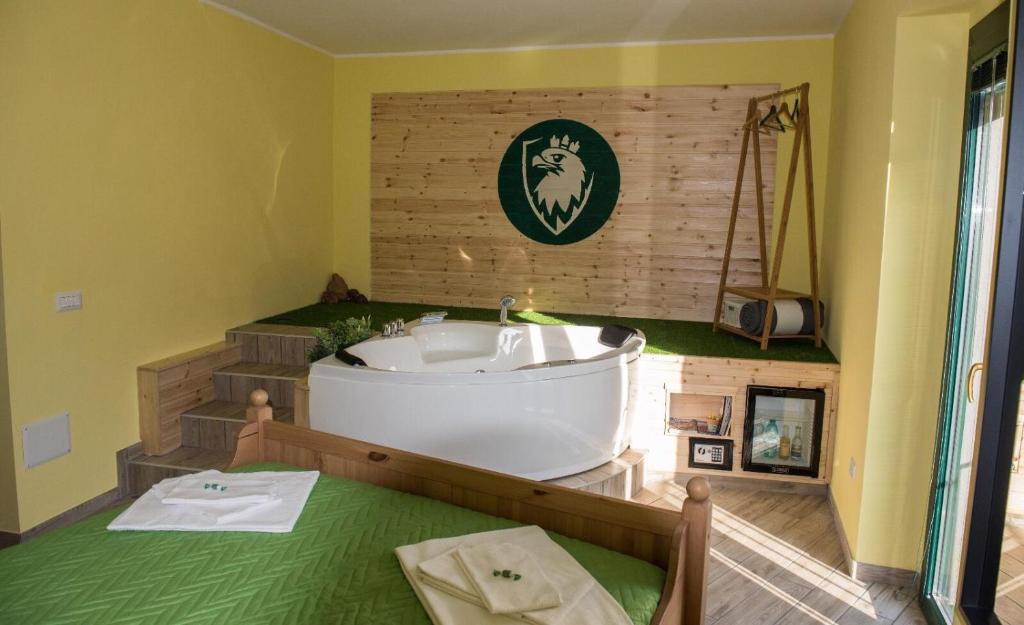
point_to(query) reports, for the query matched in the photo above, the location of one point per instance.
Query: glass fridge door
(783, 431)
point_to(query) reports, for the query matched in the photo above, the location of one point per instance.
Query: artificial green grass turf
(692, 338)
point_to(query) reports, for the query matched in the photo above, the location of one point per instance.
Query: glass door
(968, 328)
(782, 433)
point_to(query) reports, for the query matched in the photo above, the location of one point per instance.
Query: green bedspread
(338, 566)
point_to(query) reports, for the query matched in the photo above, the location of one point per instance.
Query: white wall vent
(46, 439)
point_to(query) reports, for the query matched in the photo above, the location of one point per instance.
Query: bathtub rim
(330, 367)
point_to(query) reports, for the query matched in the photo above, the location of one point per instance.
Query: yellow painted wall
(356, 79)
(858, 160)
(917, 256)
(8, 481)
(174, 163)
(897, 125)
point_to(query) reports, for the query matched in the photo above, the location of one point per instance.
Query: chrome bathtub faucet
(506, 302)
(393, 328)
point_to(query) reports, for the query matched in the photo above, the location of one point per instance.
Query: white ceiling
(346, 27)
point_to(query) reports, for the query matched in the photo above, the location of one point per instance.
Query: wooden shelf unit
(760, 292)
(661, 376)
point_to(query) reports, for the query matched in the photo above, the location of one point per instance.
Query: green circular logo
(558, 181)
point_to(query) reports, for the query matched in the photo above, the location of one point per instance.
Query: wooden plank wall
(439, 235)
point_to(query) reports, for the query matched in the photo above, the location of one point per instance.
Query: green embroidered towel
(520, 584)
(214, 487)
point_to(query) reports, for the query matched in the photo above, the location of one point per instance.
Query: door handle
(975, 369)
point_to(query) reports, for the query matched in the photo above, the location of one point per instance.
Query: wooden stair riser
(622, 478)
(272, 349)
(209, 433)
(236, 388)
(623, 485)
(145, 471)
(216, 425)
(142, 477)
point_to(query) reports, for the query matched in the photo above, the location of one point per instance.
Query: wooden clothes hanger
(771, 121)
(785, 118)
(779, 118)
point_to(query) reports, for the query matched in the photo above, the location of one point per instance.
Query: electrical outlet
(853, 468)
(69, 300)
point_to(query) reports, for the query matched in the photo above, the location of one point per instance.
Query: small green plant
(339, 334)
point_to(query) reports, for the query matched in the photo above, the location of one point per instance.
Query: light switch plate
(46, 439)
(69, 300)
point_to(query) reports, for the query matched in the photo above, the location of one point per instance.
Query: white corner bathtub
(535, 401)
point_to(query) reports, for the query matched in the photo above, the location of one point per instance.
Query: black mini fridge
(782, 431)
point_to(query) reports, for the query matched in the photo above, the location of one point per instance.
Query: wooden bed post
(258, 409)
(249, 445)
(683, 600)
(697, 516)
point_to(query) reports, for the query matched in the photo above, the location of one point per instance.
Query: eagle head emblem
(560, 180)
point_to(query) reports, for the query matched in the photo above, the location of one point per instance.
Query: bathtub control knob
(386, 331)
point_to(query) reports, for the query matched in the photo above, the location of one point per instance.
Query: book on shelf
(723, 425)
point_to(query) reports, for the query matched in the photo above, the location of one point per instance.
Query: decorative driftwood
(679, 544)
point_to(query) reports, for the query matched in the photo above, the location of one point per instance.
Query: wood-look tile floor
(776, 559)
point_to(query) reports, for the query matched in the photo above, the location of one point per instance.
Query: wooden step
(145, 471)
(269, 343)
(234, 383)
(621, 477)
(215, 425)
(218, 410)
(231, 411)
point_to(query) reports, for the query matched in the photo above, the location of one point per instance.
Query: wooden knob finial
(698, 489)
(258, 398)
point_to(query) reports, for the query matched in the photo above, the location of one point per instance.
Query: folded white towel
(214, 487)
(584, 601)
(443, 572)
(277, 515)
(507, 578)
(501, 595)
(447, 573)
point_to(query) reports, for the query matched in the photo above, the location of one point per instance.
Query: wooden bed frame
(677, 543)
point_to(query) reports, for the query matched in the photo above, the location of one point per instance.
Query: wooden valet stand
(778, 119)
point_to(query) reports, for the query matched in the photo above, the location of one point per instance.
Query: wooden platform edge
(680, 543)
(273, 329)
(187, 356)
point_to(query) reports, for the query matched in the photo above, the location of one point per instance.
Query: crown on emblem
(565, 144)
